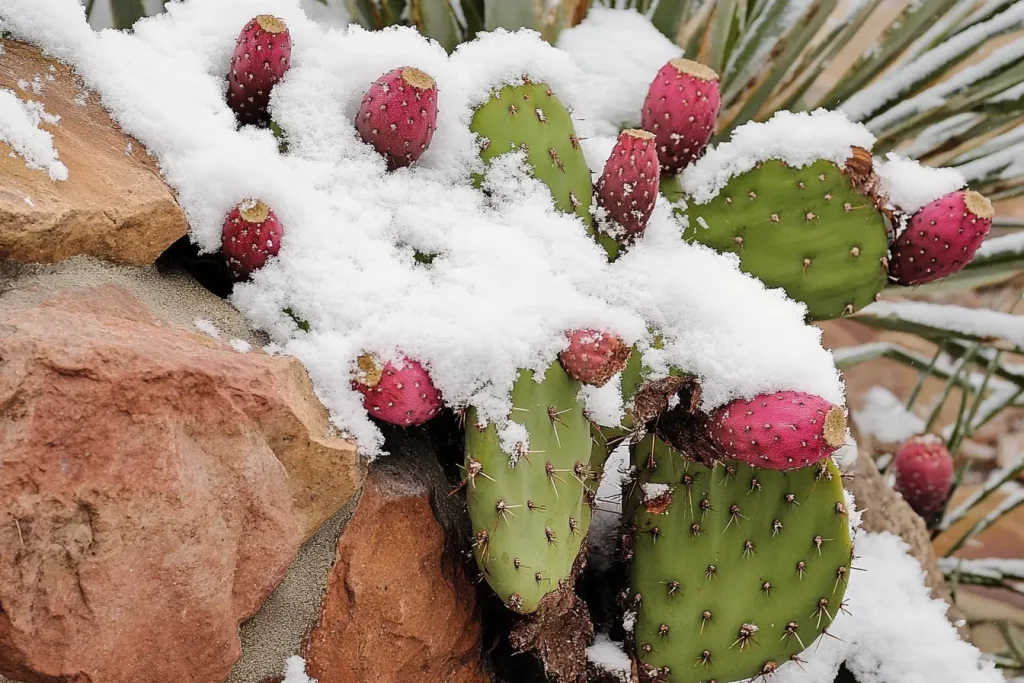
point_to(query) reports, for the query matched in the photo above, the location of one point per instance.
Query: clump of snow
(799, 139)
(654, 491)
(846, 455)
(295, 671)
(604, 404)
(511, 274)
(609, 657)
(207, 327)
(895, 631)
(240, 345)
(910, 186)
(884, 417)
(619, 52)
(19, 128)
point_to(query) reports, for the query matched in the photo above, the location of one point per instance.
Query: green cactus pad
(531, 511)
(806, 230)
(726, 548)
(531, 117)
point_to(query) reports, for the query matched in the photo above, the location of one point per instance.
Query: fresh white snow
(511, 275)
(295, 671)
(910, 185)
(799, 139)
(609, 657)
(619, 52)
(19, 128)
(968, 321)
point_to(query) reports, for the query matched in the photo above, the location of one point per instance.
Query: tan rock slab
(114, 204)
(154, 486)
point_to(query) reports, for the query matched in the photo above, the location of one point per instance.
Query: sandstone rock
(398, 608)
(154, 483)
(113, 205)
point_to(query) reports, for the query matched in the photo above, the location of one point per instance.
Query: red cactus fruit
(924, 474)
(941, 238)
(398, 115)
(262, 55)
(780, 431)
(681, 109)
(628, 186)
(402, 394)
(251, 235)
(594, 357)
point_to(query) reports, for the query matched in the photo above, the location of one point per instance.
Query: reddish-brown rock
(397, 610)
(152, 489)
(113, 205)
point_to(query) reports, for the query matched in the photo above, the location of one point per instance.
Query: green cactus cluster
(531, 508)
(808, 230)
(734, 570)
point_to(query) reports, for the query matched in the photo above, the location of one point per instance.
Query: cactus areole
(262, 56)
(398, 115)
(681, 110)
(941, 238)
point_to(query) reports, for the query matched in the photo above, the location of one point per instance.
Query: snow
(654, 491)
(1005, 162)
(799, 139)
(895, 631)
(19, 128)
(1004, 244)
(609, 657)
(889, 88)
(511, 275)
(938, 133)
(296, 671)
(968, 321)
(604, 404)
(910, 186)
(994, 567)
(207, 327)
(619, 52)
(240, 345)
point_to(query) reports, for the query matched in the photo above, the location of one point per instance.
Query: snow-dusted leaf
(435, 19)
(995, 480)
(510, 14)
(941, 321)
(1008, 505)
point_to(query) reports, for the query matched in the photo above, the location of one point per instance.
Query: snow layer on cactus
(619, 52)
(512, 274)
(799, 139)
(908, 185)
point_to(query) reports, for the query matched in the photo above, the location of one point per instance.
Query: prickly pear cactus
(531, 510)
(808, 230)
(734, 570)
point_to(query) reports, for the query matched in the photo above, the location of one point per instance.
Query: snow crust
(511, 274)
(909, 185)
(895, 631)
(799, 139)
(619, 52)
(609, 657)
(19, 128)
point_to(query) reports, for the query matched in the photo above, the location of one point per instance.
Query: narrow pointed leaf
(435, 19)
(510, 14)
(126, 12)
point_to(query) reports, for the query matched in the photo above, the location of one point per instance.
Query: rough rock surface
(154, 482)
(397, 609)
(114, 204)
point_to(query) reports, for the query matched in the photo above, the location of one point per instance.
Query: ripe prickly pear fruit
(941, 238)
(402, 394)
(251, 235)
(628, 187)
(780, 431)
(593, 357)
(924, 474)
(262, 55)
(681, 109)
(398, 115)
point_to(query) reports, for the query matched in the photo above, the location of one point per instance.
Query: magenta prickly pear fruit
(941, 238)
(628, 186)
(402, 394)
(594, 357)
(681, 109)
(780, 431)
(398, 115)
(262, 55)
(252, 234)
(924, 474)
